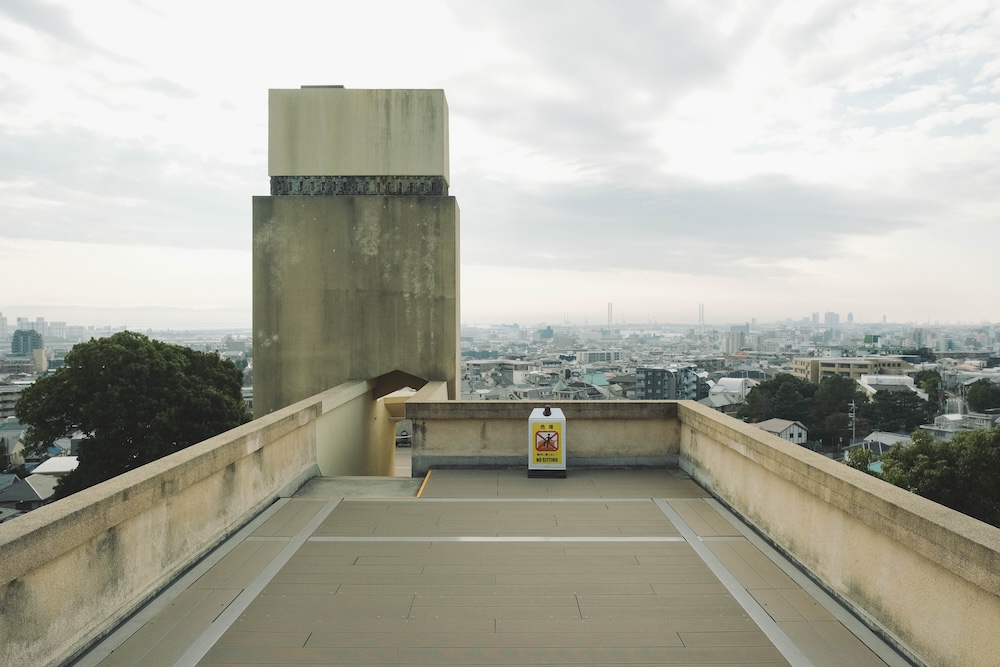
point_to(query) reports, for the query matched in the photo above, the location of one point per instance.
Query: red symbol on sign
(546, 441)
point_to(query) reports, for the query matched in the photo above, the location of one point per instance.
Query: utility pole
(852, 421)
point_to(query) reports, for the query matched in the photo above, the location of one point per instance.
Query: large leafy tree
(784, 396)
(983, 395)
(898, 411)
(930, 381)
(135, 400)
(822, 408)
(830, 420)
(962, 473)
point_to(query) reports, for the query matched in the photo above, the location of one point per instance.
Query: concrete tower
(356, 250)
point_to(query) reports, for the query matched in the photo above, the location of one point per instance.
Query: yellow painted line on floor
(426, 477)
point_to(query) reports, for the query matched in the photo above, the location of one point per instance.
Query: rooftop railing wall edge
(72, 570)
(925, 577)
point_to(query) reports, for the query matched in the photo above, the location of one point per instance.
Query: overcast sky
(766, 159)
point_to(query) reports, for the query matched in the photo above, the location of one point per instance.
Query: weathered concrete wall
(487, 433)
(352, 287)
(70, 571)
(357, 132)
(929, 575)
(354, 433)
(380, 452)
(356, 253)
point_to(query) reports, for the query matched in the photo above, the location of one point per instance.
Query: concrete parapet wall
(495, 433)
(328, 131)
(72, 570)
(352, 287)
(929, 577)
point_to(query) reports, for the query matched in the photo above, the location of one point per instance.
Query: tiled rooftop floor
(493, 568)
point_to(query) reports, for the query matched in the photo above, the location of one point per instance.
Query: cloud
(53, 25)
(753, 141)
(71, 184)
(740, 229)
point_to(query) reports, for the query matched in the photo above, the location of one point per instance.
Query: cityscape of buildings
(717, 365)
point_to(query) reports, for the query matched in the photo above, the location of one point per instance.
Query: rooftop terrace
(283, 542)
(490, 567)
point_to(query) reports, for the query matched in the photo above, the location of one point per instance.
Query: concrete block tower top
(334, 131)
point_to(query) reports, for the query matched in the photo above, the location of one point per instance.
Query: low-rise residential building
(879, 442)
(792, 431)
(946, 426)
(598, 356)
(29, 493)
(815, 369)
(872, 384)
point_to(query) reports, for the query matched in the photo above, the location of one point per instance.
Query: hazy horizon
(160, 318)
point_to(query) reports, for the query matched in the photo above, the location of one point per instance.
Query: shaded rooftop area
(489, 567)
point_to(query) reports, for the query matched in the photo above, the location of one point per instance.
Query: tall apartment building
(670, 383)
(25, 341)
(56, 331)
(735, 341)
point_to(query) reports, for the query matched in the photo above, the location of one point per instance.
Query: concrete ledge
(926, 578)
(599, 434)
(420, 408)
(72, 570)
(425, 463)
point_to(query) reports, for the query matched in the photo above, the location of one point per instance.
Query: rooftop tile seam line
(859, 628)
(517, 499)
(792, 653)
(499, 538)
(102, 649)
(204, 643)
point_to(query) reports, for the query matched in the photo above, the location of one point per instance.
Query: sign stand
(547, 443)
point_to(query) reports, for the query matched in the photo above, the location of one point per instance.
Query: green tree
(135, 400)
(982, 395)
(860, 458)
(898, 411)
(962, 473)
(784, 396)
(931, 382)
(831, 404)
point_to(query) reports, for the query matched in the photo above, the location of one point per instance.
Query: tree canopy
(983, 395)
(897, 411)
(822, 408)
(930, 381)
(962, 473)
(784, 396)
(135, 400)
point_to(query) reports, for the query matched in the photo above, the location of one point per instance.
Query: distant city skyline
(765, 159)
(166, 319)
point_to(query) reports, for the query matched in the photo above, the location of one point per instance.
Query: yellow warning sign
(547, 439)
